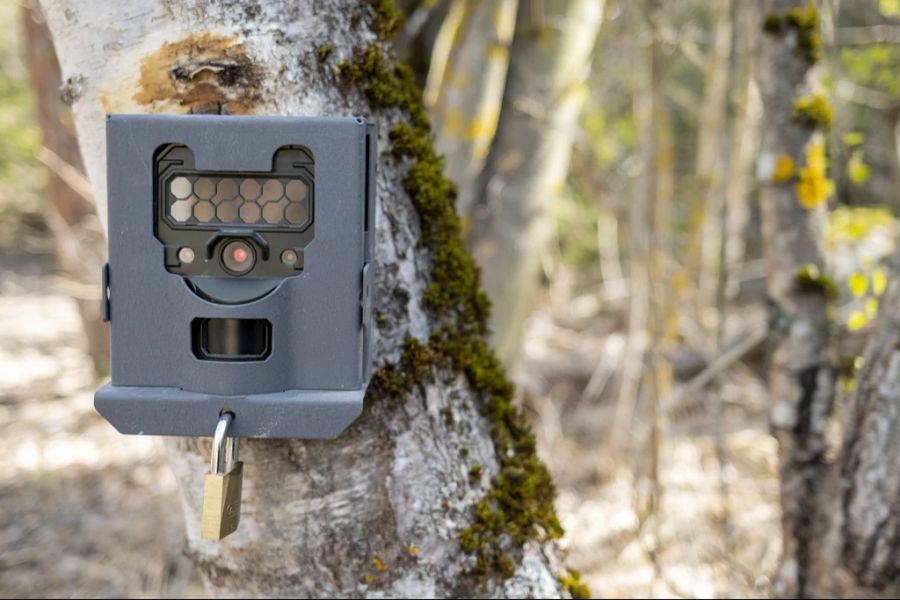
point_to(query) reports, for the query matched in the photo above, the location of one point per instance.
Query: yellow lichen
(810, 278)
(814, 187)
(784, 169)
(813, 110)
(879, 282)
(857, 169)
(857, 320)
(858, 284)
(850, 224)
(871, 307)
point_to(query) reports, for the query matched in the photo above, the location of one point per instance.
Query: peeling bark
(379, 511)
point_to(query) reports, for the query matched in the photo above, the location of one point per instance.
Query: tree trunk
(745, 147)
(77, 235)
(436, 489)
(841, 526)
(529, 156)
(801, 379)
(860, 557)
(468, 92)
(712, 162)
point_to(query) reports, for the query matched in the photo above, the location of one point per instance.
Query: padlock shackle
(223, 445)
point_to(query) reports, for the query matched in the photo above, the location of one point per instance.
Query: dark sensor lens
(238, 257)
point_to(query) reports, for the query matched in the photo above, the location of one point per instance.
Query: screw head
(186, 255)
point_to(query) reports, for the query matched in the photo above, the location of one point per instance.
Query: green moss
(773, 24)
(447, 414)
(519, 504)
(571, 582)
(323, 52)
(475, 473)
(805, 23)
(810, 278)
(414, 367)
(454, 283)
(387, 18)
(384, 84)
(813, 110)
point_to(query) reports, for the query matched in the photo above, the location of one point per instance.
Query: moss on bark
(813, 111)
(519, 505)
(804, 23)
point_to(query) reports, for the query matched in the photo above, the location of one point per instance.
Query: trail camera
(240, 274)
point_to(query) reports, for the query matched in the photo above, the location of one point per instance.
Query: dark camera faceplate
(199, 212)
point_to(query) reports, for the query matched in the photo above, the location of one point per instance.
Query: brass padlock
(222, 485)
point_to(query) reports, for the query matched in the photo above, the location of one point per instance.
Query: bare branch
(873, 34)
(69, 174)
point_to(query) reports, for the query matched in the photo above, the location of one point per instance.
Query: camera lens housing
(238, 257)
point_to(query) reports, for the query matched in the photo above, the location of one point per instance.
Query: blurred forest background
(617, 219)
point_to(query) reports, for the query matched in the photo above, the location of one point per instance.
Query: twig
(873, 34)
(714, 369)
(69, 174)
(847, 90)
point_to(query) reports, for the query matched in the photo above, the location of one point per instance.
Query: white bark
(378, 511)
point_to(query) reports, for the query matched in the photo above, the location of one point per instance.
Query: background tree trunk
(464, 96)
(387, 508)
(839, 500)
(861, 553)
(79, 243)
(529, 156)
(801, 378)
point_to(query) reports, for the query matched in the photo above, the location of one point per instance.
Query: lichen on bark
(802, 22)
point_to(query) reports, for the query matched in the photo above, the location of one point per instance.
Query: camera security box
(240, 273)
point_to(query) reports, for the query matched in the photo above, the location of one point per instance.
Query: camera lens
(238, 257)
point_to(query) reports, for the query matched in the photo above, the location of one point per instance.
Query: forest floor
(705, 522)
(87, 512)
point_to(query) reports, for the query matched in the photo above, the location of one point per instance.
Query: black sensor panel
(234, 224)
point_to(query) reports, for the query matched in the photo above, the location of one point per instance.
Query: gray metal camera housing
(315, 314)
